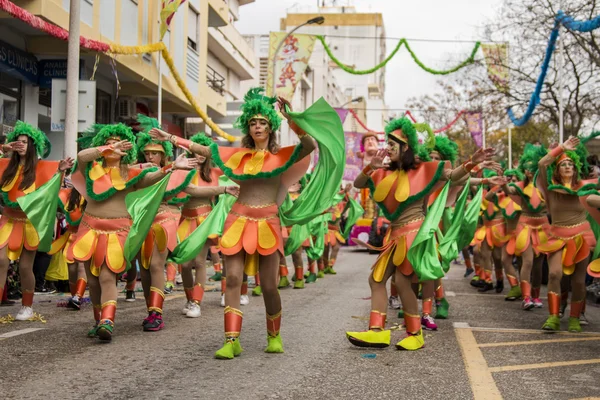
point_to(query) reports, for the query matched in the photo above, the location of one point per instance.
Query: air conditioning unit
(126, 108)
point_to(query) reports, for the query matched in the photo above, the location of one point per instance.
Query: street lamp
(356, 100)
(317, 20)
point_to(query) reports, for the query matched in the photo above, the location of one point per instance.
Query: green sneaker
(311, 278)
(231, 348)
(475, 281)
(105, 330)
(306, 274)
(216, 277)
(513, 294)
(93, 333)
(574, 325)
(320, 274)
(442, 309)
(283, 282)
(552, 324)
(274, 344)
(401, 314)
(257, 291)
(299, 284)
(329, 271)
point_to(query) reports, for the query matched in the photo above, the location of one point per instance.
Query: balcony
(218, 13)
(234, 52)
(215, 81)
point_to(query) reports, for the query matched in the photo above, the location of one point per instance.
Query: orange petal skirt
(16, 232)
(575, 241)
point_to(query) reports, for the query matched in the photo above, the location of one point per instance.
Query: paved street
(488, 349)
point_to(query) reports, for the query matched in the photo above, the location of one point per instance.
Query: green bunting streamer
(402, 42)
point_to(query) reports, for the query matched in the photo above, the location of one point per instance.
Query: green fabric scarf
(469, 224)
(40, 206)
(355, 212)
(448, 247)
(143, 206)
(423, 253)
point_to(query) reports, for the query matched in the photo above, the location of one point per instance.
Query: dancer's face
(371, 145)
(154, 157)
(23, 139)
(514, 179)
(435, 156)
(566, 169)
(393, 149)
(259, 130)
(529, 175)
(112, 156)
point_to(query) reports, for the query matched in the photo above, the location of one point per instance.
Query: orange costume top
(533, 226)
(16, 231)
(106, 222)
(256, 228)
(570, 231)
(403, 197)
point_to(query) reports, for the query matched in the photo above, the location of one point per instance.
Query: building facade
(208, 52)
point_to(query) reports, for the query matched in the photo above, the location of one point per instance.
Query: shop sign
(18, 63)
(54, 69)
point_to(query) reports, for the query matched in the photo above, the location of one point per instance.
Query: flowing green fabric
(448, 246)
(40, 206)
(355, 212)
(423, 254)
(596, 229)
(143, 206)
(213, 225)
(469, 223)
(323, 124)
(447, 219)
(298, 235)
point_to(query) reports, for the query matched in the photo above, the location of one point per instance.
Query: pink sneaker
(538, 303)
(428, 323)
(527, 304)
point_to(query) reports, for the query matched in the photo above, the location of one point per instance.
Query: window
(193, 33)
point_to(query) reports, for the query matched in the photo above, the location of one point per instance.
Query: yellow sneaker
(378, 339)
(412, 342)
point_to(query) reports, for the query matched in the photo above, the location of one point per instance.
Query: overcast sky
(425, 19)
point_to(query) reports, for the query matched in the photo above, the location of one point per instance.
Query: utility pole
(71, 118)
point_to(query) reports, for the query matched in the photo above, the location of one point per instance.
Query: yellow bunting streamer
(160, 46)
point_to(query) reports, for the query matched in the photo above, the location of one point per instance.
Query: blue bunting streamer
(569, 23)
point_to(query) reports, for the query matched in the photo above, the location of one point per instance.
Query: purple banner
(474, 120)
(343, 113)
(353, 162)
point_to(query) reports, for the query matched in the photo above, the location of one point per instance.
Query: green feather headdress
(202, 139)
(39, 138)
(256, 105)
(447, 148)
(514, 172)
(532, 154)
(488, 173)
(408, 134)
(144, 139)
(98, 134)
(423, 153)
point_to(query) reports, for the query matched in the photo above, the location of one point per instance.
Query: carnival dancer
(251, 239)
(533, 228)
(197, 204)
(511, 211)
(104, 176)
(333, 237)
(71, 204)
(401, 190)
(570, 237)
(21, 174)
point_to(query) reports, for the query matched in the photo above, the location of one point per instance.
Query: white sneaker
(194, 311)
(24, 313)
(222, 300)
(394, 303)
(186, 308)
(244, 300)
(583, 320)
(178, 279)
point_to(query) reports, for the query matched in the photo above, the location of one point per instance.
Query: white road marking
(19, 332)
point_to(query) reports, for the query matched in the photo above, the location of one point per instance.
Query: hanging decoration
(111, 50)
(496, 59)
(414, 120)
(474, 120)
(402, 42)
(168, 10)
(569, 23)
(290, 64)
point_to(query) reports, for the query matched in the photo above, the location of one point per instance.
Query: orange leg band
(535, 293)
(412, 323)
(233, 322)
(553, 303)
(198, 293)
(155, 300)
(526, 289)
(427, 306)
(576, 308)
(245, 287)
(274, 324)
(109, 310)
(377, 320)
(27, 299)
(188, 292)
(512, 280)
(217, 267)
(439, 292)
(80, 287)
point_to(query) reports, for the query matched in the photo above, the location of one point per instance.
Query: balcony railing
(215, 80)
